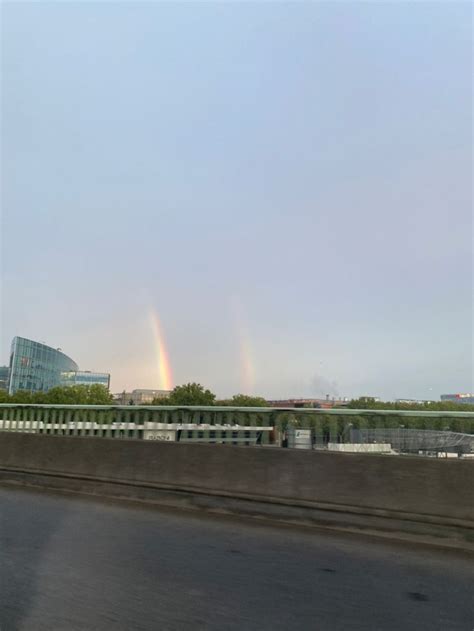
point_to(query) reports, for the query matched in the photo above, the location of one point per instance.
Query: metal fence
(248, 426)
(403, 440)
(159, 423)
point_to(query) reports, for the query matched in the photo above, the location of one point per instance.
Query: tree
(95, 394)
(161, 401)
(99, 395)
(22, 396)
(188, 394)
(369, 403)
(245, 400)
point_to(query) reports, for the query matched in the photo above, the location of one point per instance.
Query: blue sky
(288, 186)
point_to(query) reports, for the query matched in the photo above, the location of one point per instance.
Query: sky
(269, 198)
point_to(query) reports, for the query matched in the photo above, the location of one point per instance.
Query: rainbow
(246, 360)
(247, 368)
(165, 376)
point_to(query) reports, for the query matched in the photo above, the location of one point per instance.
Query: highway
(69, 563)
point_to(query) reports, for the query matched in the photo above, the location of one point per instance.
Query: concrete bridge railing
(421, 499)
(222, 424)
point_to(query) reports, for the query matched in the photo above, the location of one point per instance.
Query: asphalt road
(69, 564)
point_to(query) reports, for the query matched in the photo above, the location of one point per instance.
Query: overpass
(82, 564)
(420, 499)
(105, 530)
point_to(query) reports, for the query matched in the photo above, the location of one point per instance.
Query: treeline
(367, 403)
(341, 424)
(195, 394)
(95, 394)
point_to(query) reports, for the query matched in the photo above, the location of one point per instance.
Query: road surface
(70, 563)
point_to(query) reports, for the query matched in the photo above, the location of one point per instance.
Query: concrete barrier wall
(422, 486)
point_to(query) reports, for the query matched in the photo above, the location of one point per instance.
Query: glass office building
(85, 378)
(36, 367)
(4, 371)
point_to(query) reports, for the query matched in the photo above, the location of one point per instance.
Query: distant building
(35, 367)
(366, 399)
(414, 401)
(85, 378)
(4, 377)
(326, 403)
(458, 398)
(139, 396)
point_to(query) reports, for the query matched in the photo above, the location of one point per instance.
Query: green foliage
(323, 424)
(454, 424)
(194, 394)
(188, 394)
(95, 394)
(159, 401)
(368, 403)
(285, 419)
(245, 401)
(21, 397)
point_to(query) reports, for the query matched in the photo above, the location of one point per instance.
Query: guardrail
(182, 424)
(217, 424)
(420, 499)
(165, 432)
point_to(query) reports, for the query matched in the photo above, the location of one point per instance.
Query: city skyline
(80, 376)
(270, 199)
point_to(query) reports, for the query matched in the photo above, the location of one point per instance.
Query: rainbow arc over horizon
(247, 367)
(245, 349)
(246, 359)
(165, 374)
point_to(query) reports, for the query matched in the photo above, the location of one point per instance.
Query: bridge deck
(78, 564)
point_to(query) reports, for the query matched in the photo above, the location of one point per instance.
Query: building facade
(415, 401)
(35, 367)
(458, 398)
(140, 396)
(85, 378)
(326, 403)
(4, 370)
